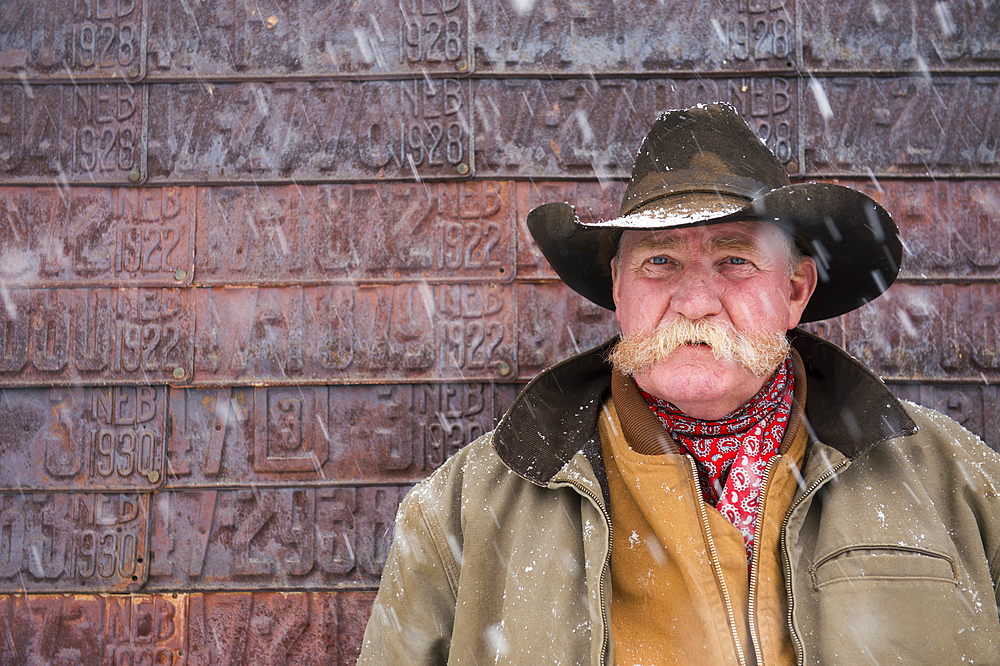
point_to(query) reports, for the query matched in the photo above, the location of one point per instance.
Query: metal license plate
(976, 407)
(865, 37)
(95, 438)
(928, 333)
(346, 234)
(73, 542)
(86, 134)
(365, 334)
(586, 128)
(323, 434)
(295, 132)
(902, 126)
(545, 37)
(272, 538)
(92, 630)
(302, 628)
(78, 42)
(96, 236)
(948, 227)
(213, 39)
(594, 202)
(95, 336)
(554, 323)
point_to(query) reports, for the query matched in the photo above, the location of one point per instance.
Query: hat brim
(853, 240)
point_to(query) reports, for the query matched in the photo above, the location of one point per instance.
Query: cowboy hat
(705, 165)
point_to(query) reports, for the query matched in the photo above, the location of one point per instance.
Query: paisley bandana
(733, 453)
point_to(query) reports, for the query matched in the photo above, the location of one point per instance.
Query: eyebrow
(723, 243)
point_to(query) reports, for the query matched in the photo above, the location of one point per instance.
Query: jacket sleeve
(414, 611)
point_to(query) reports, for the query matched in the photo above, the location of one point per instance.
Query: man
(735, 490)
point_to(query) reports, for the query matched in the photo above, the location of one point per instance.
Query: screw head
(153, 476)
(462, 65)
(462, 169)
(503, 368)
(134, 175)
(180, 274)
(133, 71)
(179, 372)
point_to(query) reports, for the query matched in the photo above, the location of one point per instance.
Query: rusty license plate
(927, 333)
(86, 236)
(540, 38)
(344, 334)
(73, 542)
(308, 39)
(108, 439)
(323, 434)
(294, 132)
(554, 323)
(586, 128)
(975, 406)
(864, 37)
(92, 630)
(95, 336)
(272, 538)
(86, 134)
(369, 233)
(901, 126)
(79, 42)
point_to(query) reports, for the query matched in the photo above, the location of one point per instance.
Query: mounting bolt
(503, 369)
(133, 71)
(179, 372)
(134, 175)
(153, 476)
(462, 65)
(180, 274)
(462, 169)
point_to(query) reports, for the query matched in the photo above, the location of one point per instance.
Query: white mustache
(759, 352)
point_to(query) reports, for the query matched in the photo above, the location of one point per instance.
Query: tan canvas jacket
(889, 547)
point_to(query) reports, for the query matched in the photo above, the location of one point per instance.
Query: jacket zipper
(716, 565)
(604, 569)
(755, 561)
(799, 650)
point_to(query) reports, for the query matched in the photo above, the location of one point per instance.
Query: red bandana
(733, 453)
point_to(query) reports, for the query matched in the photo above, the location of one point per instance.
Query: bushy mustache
(759, 352)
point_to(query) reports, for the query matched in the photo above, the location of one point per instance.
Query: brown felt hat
(704, 165)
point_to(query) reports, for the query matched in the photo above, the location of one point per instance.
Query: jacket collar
(555, 416)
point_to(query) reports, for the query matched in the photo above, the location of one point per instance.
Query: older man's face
(735, 274)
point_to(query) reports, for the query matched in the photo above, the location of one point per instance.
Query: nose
(696, 297)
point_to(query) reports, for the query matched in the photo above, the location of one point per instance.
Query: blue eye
(738, 261)
(658, 261)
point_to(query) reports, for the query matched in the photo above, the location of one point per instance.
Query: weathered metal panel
(619, 37)
(327, 435)
(95, 438)
(587, 128)
(293, 132)
(554, 323)
(80, 42)
(86, 236)
(73, 542)
(220, 39)
(346, 234)
(975, 406)
(92, 630)
(898, 36)
(344, 334)
(272, 538)
(902, 126)
(96, 336)
(85, 134)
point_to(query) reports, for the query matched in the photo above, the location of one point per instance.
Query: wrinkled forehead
(761, 236)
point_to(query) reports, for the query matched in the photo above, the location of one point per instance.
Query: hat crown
(709, 149)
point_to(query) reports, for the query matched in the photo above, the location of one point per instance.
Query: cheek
(640, 309)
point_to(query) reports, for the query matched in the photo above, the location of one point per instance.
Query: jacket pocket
(882, 563)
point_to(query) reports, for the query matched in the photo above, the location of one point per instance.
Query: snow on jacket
(890, 546)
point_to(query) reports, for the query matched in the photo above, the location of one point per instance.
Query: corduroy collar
(556, 414)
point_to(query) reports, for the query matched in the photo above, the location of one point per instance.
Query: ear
(803, 284)
(614, 281)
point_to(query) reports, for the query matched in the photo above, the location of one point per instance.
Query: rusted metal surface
(378, 233)
(586, 128)
(95, 336)
(975, 406)
(73, 542)
(415, 129)
(96, 236)
(323, 435)
(272, 538)
(184, 629)
(866, 37)
(344, 334)
(564, 37)
(54, 40)
(214, 39)
(73, 134)
(83, 438)
(902, 125)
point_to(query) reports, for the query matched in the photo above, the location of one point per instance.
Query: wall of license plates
(263, 266)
